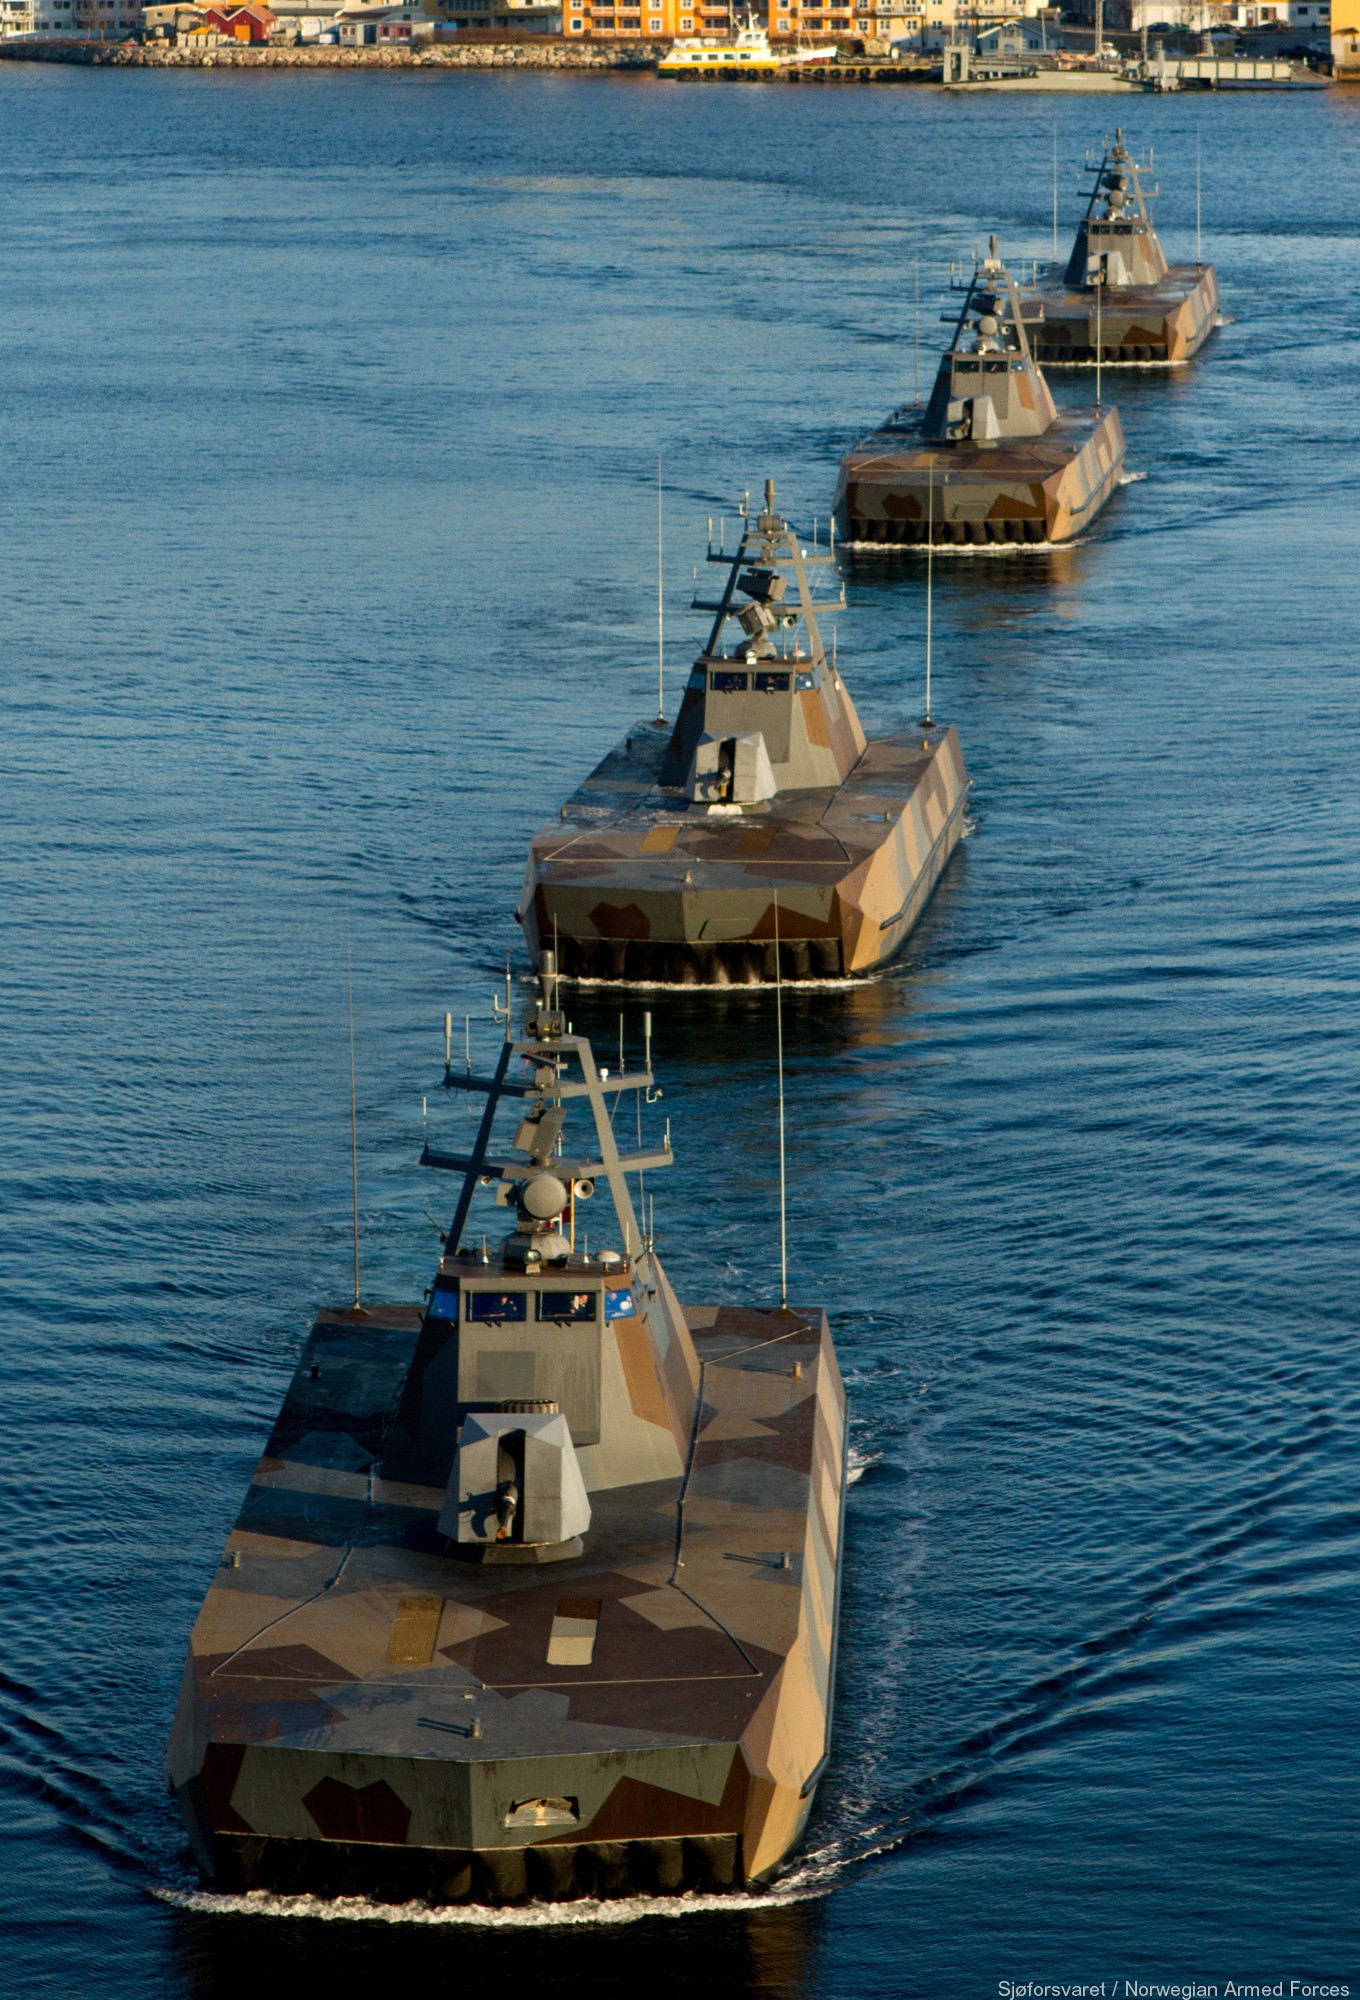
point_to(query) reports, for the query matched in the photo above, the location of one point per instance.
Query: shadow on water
(765, 1953)
(1024, 579)
(699, 1029)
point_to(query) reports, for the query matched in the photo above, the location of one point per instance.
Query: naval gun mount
(1118, 300)
(761, 835)
(534, 1594)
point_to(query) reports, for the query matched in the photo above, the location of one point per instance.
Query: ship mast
(559, 1068)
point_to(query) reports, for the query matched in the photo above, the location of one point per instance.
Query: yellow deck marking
(414, 1631)
(571, 1642)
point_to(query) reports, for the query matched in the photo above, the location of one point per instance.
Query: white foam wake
(585, 1914)
(952, 549)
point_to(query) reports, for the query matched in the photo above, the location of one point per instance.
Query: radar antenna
(356, 1311)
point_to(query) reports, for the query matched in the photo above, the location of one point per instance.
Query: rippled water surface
(329, 423)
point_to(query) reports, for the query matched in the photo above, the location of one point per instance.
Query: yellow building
(647, 20)
(1346, 40)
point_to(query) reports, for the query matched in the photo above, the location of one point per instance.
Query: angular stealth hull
(632, 885)
(898, 490)
(365, 1713)
(1161, 325)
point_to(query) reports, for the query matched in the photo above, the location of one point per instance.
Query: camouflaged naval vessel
(764, 822)
(535, 1590)
(989, 462)
(1118, 292)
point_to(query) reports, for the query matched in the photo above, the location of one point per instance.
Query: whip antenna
(783, 1181)
(930, 577)
(1055, 190)
(916, 344)
(660, 604)
(357, 1309)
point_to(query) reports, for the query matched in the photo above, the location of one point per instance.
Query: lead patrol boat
(534, 1594)
(990, 462)
(763, 835)
(1118, 297)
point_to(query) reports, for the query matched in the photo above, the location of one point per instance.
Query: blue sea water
(330, 414)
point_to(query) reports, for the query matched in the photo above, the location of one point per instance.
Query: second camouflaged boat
(989, 462)
(1118, 294)
(535, 1590)
(763, 823)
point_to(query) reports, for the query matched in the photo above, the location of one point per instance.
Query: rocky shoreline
(439, 55)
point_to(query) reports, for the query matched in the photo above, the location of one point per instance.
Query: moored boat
(747, 51)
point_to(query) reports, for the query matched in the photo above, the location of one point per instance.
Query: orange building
(1346, 40)
(668, 19)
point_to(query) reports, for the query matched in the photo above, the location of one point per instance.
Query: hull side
(895, 492)
(1142, 326)
(316, 1751)
(838, 878)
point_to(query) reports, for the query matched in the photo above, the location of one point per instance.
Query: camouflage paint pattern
(661, 868)
(629, 885)
(988, 462)
(1117, 291)
(308, 1755)
(368, 1708)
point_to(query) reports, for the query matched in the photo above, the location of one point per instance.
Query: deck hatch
(414, 1631)
(571, 1643)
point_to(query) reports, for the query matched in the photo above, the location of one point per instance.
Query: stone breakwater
(442, 55)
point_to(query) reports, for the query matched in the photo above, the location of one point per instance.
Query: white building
(974, 24)
(1308, 16)
(76, 20)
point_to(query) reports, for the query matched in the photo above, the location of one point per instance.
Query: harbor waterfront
(330, 433)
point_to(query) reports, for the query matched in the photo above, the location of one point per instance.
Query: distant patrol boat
(989, 462)
(746, 52)
(763, 836)
(535, 1591)
(1118, 291)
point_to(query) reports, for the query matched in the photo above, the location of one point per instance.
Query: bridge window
(771, 683)
(497, 1308)
(619, 1305)
(729, 683)
(568, 1308)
